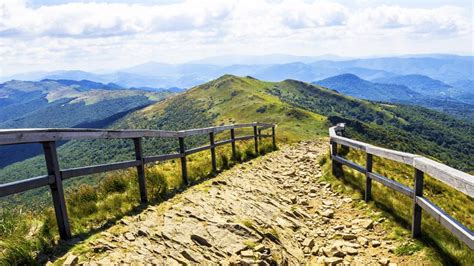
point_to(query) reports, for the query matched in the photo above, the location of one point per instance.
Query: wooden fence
(55, 176)
(456, 179)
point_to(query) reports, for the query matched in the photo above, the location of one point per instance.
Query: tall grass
(24, 235)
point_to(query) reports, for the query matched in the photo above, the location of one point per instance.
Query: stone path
(271, 210)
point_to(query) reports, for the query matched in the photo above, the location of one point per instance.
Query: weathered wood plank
(137, 143)
(457, 229)
(59, 203)
(368, 180)
(391, 184)
(222, 142)
(273, 138)
(459, 180)
(244, 137)
(100, 168)
(32, 135)
(197, 149)
(232, 138)
(350, 143)
(213, 152)
(349, 163)
(398, 156)
(417, 215)
(184, 168)
(255, 138)
(24, 185)
(164, 157)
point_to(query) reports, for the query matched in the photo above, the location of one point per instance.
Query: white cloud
(83, 35)
(90, 20)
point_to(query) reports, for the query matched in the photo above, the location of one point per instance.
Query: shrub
(112, 183)
(224, 161)
(82, 202)
(249, 154)
(157, 186)
(238, 155)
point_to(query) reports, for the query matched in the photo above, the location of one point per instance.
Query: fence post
(333, 154)
(255, 137)
(52, 165)
(213, 152)
(260, 135)
(232, 137)
(416, 222)
(273, 138)
(182, 151)
(368, 180)
(137, 142)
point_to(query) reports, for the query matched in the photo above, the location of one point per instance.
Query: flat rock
(71, 260)
(129, 236)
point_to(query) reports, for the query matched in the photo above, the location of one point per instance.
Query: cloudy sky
(105, 35)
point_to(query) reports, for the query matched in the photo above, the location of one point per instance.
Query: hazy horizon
(108, 35)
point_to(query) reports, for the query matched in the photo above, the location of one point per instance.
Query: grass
(27, 234)
(436, 240)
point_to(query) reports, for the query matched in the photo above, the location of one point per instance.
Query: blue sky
(93, 35)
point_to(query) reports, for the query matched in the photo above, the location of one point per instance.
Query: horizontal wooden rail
(392, 184)
(160, 158)
(24, 185)
(454, 178)
(95, 169)
(49, 137)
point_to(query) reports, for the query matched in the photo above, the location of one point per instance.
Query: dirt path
(271, 210)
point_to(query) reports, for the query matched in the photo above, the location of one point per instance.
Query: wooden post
(213, 152)
(333, 154)
(273, 138)
(368, 180)
(182, 151)
(232, 137)
(52, 165)
(137, 142)
(255, 137)
(418, 191)
(260, 135)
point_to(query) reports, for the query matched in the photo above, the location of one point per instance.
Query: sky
(107, 35)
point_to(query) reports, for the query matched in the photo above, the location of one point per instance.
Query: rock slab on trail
(272, 210)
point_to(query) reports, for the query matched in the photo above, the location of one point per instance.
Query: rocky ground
(272, 210)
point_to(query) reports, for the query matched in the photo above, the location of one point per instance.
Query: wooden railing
(55, 175)
(456, 179)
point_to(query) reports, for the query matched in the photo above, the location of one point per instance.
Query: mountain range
(409, 89)
(447, 68)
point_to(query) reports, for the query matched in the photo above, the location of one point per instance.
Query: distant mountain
(271, 59)
(86, 85)
(462, 90)
(446, 68)
(64, 103)
(419, 83)
(352, 85)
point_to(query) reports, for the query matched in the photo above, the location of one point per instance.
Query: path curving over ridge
(272, 210)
